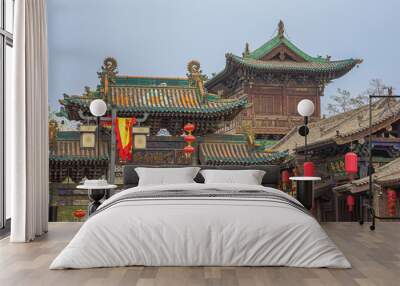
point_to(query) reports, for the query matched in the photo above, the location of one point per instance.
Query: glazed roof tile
(151, 95)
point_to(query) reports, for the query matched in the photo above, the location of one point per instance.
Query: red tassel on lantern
(309, 169)
(188, 150)
(350, 201)
(391, 201)
(351, 163)
(285, 176)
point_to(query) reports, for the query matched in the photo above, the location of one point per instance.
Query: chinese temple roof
(386, 175)
(344, 127)
(280, 55)
(131, 100)
(156, 97)
(237, 154)
(292, 66)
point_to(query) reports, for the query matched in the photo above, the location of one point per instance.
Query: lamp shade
(189, 138)
(351, 163)
(350, 201)
(98, 107)
(391, 202)
(305, 107)
(309, 169)
(189, 127)
(285, 176)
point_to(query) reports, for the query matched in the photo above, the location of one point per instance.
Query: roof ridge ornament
(195, 77)
(107, 74)
(246, 51)
(281, 29)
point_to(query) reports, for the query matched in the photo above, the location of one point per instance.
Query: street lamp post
(98, 108)
(305, 108)
(305, 183)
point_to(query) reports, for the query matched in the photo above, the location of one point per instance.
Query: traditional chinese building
(331, 138)
(162, 106)
(385, 185)
(275, 77)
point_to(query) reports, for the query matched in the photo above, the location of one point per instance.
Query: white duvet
(200, 231)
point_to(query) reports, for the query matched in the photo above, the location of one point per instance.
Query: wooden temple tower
(275, 77)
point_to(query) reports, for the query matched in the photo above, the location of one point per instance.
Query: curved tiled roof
(306, 64)
(155, 95)
(277, 41)
(292, 66)
(342, 128)
(161, 100)
(236, 154)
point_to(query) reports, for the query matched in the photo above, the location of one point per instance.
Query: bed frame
(270, 179)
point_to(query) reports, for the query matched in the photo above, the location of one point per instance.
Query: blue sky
(158, 38)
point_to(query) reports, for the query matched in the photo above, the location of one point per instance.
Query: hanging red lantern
(391, 201)
(350, 201)
(285, 176)
(189, 138)
(351, 163)
(79, 213)
(309, 169)
(189, 128)
(188, 150)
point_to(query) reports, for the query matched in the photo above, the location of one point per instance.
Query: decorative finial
(107, 75)
(390, 91)
(194, 75)
(281, 29)
(246, 50)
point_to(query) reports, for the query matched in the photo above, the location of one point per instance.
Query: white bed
(185, 230)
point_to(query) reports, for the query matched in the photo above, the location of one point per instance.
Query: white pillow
(166, 176)
(248, 177)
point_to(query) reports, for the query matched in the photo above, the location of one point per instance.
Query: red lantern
(351, 163)
(350, 201)
(285, 176)
(189, 138)
(188, 150)
(79, 213)
(391, 201)
(189, 128)
(309, 169)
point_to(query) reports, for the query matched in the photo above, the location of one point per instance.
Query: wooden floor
(375, 257)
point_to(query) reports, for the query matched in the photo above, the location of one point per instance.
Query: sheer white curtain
(26, 124)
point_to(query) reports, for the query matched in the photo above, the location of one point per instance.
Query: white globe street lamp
(305, 108)
(98, 107)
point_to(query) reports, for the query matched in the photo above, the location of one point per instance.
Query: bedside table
(305, 190)
(95, 194)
